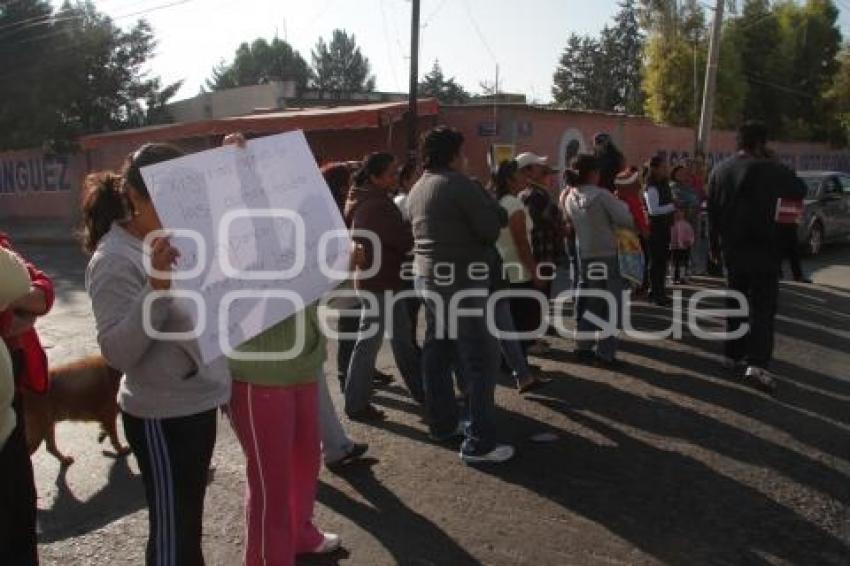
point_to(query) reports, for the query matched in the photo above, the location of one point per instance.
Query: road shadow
(65, 264)
(666, 503)
(403, 532)
(68, 517)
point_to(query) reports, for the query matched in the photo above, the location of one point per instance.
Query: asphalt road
(666, 461)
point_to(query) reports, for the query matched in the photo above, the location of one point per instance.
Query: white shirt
(514, 268)
(401, 202)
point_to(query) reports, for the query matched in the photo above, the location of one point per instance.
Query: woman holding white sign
(168, 396)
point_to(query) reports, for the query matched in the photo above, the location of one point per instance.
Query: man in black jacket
(743, 194)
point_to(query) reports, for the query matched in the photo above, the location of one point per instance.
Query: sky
(469, 37)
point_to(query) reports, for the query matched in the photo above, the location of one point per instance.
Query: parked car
(826, 209)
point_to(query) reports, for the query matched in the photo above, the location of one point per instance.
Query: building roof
(339, 118)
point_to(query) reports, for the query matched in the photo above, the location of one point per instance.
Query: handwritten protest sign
(259, 234)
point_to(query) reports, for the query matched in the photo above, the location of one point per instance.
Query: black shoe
(368, 415)
(584, 356)
(354, 454)
(661, 301)
(445, 437)
(535, 383)
(611, 364)
(381, 378)
(761, 379)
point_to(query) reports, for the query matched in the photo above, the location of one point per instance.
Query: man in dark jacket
(743, 194)
(455, 226)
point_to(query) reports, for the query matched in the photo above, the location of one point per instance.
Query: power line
(52, 19)
(57, 33)
(387, 43)
(478, 31)
(434, 13)
(780, 87)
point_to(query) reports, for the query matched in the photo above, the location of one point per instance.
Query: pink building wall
(549, 132)
(34, 184)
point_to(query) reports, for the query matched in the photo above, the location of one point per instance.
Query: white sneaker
(761, 379)
(499, 454)
(330, 543)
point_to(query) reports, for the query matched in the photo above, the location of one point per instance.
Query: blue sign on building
(34, 174)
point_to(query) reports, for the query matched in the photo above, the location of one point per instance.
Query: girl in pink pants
(274, 410)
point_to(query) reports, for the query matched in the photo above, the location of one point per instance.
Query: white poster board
(258, 233)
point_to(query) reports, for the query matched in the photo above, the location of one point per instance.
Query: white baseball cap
(523, 160)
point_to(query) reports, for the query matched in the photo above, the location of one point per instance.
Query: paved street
(663, 462)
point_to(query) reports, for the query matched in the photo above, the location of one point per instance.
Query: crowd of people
(434, 242)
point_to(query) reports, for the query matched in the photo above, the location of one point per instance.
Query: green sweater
(281, 338)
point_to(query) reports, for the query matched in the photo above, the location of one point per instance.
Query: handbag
(630, 255)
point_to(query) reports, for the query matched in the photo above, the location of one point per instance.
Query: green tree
(101, 70)
(838, 99)
(24, 76)
(339, 67)
(73, 72)
(261, 62)
(674, 93)
(446, 90)
(624, 51)
(603, 73)
(811, 42)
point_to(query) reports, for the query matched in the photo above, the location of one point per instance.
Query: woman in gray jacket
(595, 214)
(168, 396)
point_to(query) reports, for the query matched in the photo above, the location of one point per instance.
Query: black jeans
(762, 292)
(790, 248)
(18, 540)
(174, 457)
(659, 254)
(681, 258)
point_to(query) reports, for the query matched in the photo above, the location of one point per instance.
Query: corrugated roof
(338, 118)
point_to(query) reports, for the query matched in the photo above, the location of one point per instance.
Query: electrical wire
(478, 31)
(387, 43)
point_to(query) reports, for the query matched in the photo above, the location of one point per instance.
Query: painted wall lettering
(34, 174)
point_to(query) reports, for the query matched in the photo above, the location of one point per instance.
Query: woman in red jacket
(18, 543)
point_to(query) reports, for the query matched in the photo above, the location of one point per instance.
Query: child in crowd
(681, 241)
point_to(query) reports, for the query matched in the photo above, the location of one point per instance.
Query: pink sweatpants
(278, 429)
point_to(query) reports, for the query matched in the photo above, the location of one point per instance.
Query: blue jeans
(475, 355)
(361, 369)
(512, 349)
(591, 279)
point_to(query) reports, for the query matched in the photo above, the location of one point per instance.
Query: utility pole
(707, 115)
(413, 109)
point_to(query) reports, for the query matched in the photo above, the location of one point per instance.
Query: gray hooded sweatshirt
(595, 214)
(162, 378)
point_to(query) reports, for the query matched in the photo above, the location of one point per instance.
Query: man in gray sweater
(455, 226)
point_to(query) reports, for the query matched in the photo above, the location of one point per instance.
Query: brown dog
(85, 390)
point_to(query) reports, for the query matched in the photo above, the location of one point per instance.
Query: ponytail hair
(104, 202)
(105, 199)
(506, 171)
(374, 165)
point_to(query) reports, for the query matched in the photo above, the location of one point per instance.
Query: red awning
(340, 118)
